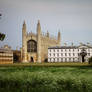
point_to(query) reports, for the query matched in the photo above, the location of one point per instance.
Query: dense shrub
(45, 79)
(90, 60)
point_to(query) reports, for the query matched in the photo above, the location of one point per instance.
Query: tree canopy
(90, 60)
(2, 36)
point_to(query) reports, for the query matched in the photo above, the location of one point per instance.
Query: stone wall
(43, 42)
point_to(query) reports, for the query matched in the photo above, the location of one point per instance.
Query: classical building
(35, 46)
(6, 55)
(69, 53)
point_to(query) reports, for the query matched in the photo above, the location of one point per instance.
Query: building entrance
(83, 54)
(31, 59)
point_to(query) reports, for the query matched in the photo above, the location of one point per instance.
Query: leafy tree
(15, 58)
(90, 60)
(2, 36)
(0, 14)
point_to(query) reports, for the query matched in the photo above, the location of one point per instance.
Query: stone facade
(6, 55)
(35, 46)
(79, 53)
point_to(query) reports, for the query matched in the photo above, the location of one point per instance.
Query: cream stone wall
(43, 42)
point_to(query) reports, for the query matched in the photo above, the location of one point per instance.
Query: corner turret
(39, 42)
(24, 44)
(47, 33)
(59, 38)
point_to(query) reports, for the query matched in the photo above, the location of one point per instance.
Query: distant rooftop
(69, 47)
(5, 48)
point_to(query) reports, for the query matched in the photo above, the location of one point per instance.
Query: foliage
(90, 60)
(2, 36)
(15, 58)
(0, 14)
(45, 79)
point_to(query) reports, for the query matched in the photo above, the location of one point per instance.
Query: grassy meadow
(45, 78)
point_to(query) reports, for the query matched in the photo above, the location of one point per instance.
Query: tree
(90, 60)
(2, 36)
(0, 15)
(15, 58)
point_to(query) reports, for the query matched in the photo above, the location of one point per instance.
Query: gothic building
(35, 46)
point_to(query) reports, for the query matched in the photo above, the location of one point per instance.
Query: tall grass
(45, 79)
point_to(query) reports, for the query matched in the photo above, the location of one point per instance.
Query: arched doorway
(31, 59)
(83, 54)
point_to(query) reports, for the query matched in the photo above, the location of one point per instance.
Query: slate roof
(68, 47)
(63, 47)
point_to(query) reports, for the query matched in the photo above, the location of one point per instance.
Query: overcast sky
(72, 17)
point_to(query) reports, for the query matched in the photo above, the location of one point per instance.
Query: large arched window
(31, 46)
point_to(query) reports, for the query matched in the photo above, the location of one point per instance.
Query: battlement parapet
(31, 34)
(50, 36)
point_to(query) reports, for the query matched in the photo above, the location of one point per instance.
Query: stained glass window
(31, 46)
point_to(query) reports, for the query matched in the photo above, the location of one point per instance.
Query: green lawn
(38, 78)
(49, 64)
